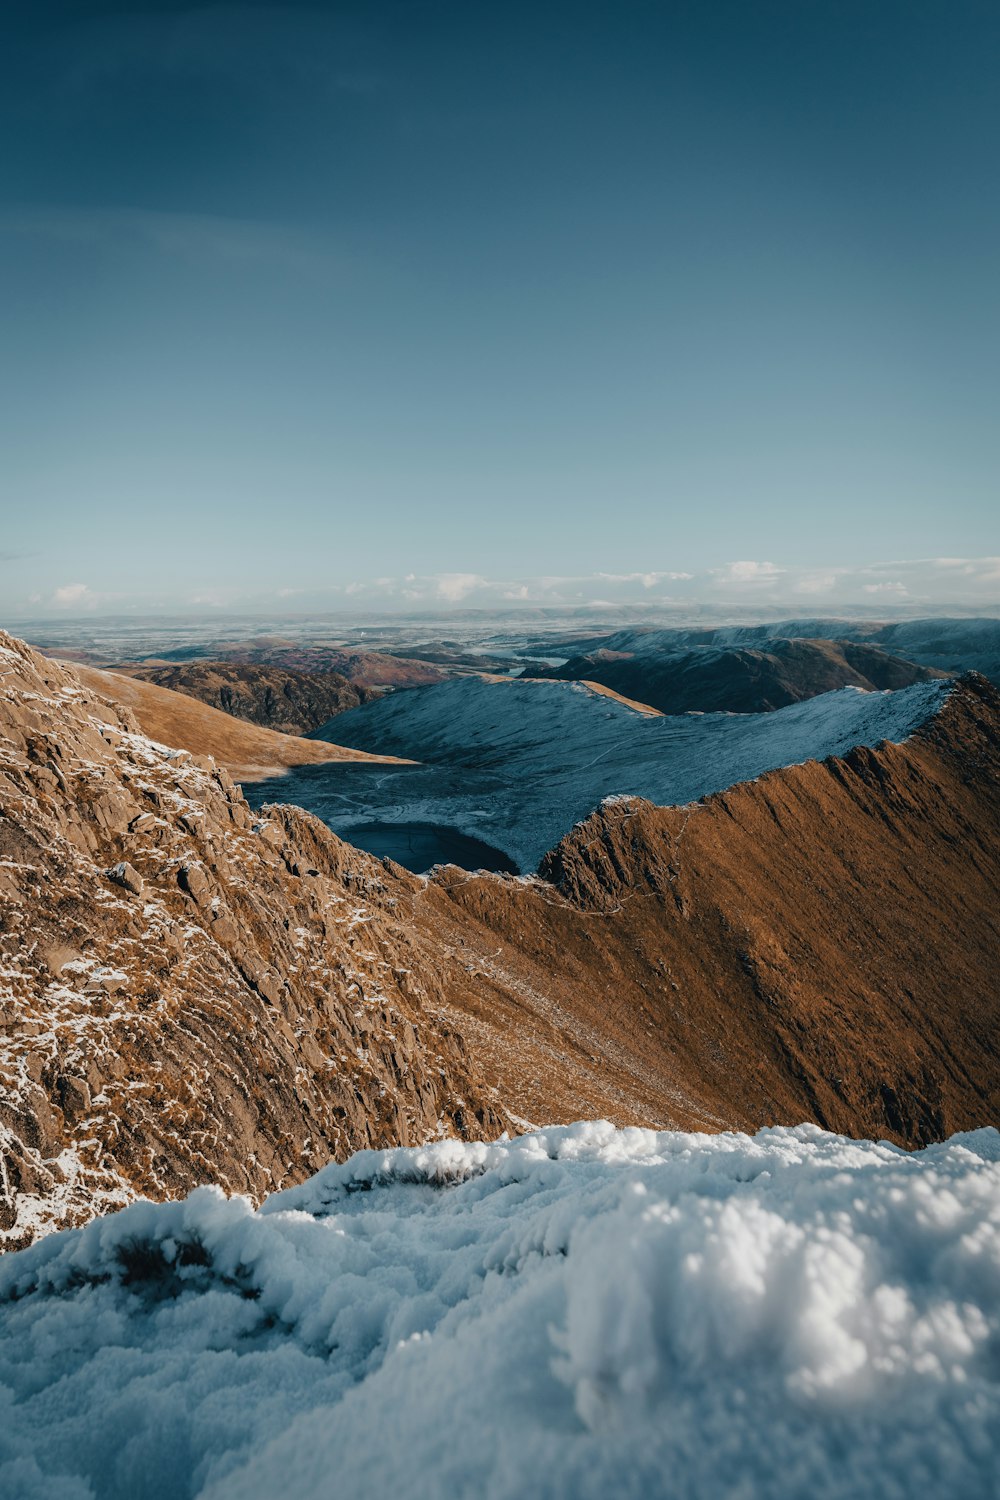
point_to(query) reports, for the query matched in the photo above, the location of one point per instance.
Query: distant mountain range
(948, 645)
(363, 669)
(738, 679)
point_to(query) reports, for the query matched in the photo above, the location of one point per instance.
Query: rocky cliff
(189, 992)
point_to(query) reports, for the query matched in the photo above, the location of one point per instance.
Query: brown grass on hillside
(248, 752)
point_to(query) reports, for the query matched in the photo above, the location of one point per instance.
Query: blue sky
(447, 301)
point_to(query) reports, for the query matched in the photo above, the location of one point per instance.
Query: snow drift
(579, 1312)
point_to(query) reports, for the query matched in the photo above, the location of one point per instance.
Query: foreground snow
(580, 1312)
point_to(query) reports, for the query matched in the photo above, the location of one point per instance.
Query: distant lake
(349, 797)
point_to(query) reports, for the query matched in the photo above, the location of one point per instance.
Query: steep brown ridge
(280, 698)
(190, 992)
(823, 943)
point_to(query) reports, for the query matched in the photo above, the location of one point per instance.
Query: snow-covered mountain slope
(539, 756)
(575, 1314)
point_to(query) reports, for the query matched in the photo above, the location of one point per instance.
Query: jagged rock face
(741, 679)
(278, 698)
(190, 992)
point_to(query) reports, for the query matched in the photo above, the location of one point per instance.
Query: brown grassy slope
(280, 698)
(821, 944)
(248, 752)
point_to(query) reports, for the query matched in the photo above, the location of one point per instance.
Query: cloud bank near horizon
(932, 582)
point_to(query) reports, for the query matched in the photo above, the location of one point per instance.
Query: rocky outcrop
(739, 679)
(190, 992)
(279, 698)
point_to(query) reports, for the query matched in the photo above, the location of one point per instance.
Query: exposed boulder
(126, 875)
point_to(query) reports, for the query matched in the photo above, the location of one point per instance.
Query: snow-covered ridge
(542, 755)
(579, 1312)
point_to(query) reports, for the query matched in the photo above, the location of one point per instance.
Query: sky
(403, 303)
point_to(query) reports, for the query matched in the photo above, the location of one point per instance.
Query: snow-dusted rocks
(579, 1313)
(182, 1000)
(127, 876)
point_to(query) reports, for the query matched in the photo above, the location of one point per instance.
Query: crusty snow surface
(540, 755)
(581, 1312)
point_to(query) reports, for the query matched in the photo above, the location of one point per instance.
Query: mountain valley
(196, 989)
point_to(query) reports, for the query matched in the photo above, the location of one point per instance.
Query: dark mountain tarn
(349, 803)
(420, 846)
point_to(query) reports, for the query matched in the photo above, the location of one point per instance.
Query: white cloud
(648, 580)
(747, 572)
(815, 583)
(452, 587)
(75, 596)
